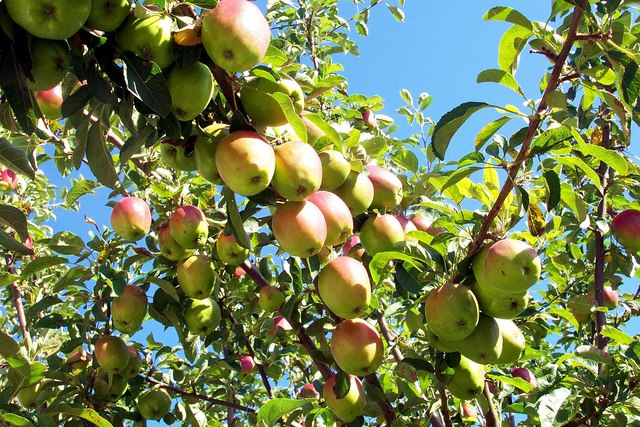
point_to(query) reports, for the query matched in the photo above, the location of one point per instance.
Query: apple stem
(490, 416)
(17, 300)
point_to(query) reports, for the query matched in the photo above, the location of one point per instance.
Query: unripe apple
(469, 413)
(300, 228)
(357, 347)
(626, 228)
(169, 247)
(356, 192)
(484, 344)
(526, 375)
(379, 233)
(270, 299)
(452, 311)
(134, 365)
(51, 60)
(8, 180)
(129, 309)
(109, 387)
(246, 364)
(467, 381)
(513, 341)
(177, 155)
(609, 297)
(202, 316)
(204, 151)
(191, 89)
(308, 391)
(29, 397)
(53, 19)
(314, 133)
(344, 286)
(335, 169)
(298, 171)
(441, 344)
(50, 102)
(347, 407)
(149, 38)
(424, 224)
(229, 251)
(387, 188)
(108, 15)
(131, 218)
(111, 353)
(78, 361)
(348, 248)
(196, 276)
(189, 227)
(500, 305)
(154, 404)
(260, 105)
(336, 214)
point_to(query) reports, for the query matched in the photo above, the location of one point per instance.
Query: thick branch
(444, 407)
(491, 416)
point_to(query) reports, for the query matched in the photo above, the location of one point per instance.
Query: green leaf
(76, 102)
(10, 351)
(553, 184)
(573, 201)
(66, 243)
(406, 159)
(14, 218)
(237, 226)
(449, 124)
(549, 139)
(408, 280)
(41, 263)
(381, 260)
(11, 244)
(325, 127)
(14, 85)
(501, 77)
(7, 278)
(507, 14)
(627, 77)
(550, 404)
(518, 382)
(580, 164)
(290, 113)
(16, 420)
(406, 96)
(617, 335)
(459, 175)
(165, 285)
(612, 158)
(84, 413)
(511, 44)
(79, 189)
(99, 158)
(397, 13)
(146, 82)
(15, 159)
(424, 100)
(274, 409)
(489, 130)
(419, 364)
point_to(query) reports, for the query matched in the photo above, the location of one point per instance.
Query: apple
(149, 38)
(169, 247)
(109, 387)
(129, 309)
(280, 324)
(580, 306)
(108, 15)
(246, 364)
(626, 228)
(177, 155)
(135, 363)
(502, 306)
(452, 311)
(235, 34)
(467, 381)
(350, 249)
(407, 226)
(526, 375)
(202, 316)
(369, 119)
(441, 344)
(261, 107)
(204, 151)
(191, 90)
(379, 233)
(131, 218)
(239, 272)
(49, 19)
(111, 353)
(513, 341)
(308, 391)
(50, 102)
(336, 214)
(29, 396)
(270, 298)
(8, 180)
(246, 162)
(357, 347)
(424, 224)
(298, 171)
(229, 251)
(349, 406)
(189, 227)
(299, 228)
(469, 413)
(344, 286)
(154, 404)
(484, 344)
(609, 297)
(387, 188)
(196, 276)
(335, 169)
(314, 133)
(356, 192)
(51, 60)
(78, 361)
(507, 267)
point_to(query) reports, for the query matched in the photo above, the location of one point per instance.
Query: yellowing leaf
(187, 37)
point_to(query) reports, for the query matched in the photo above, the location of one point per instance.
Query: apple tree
(278, 254)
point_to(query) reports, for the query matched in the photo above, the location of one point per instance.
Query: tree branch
(17, 301)
(491, 416)
(444, 407)
(384, 405)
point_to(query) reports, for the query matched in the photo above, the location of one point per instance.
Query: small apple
(441, 344)
(50, 102)
(229, 250)
(78, 361)
(626, 228)
(169, 247)
(246, 364)
(280, 324)
(407, 226)
(178, 155)
(131, 218)
(424, 224)
(189, 227)
(196, 276)
(356, 192)
(270, 299)
(348, 406)
(513, 341)
(379, 233)
(357, 347)
(308, 391)
(8, 180)
(202, 316)
(467, 381)
(387, 188)
(344, 286)
(369, 119)
(111, 353)
(260, 105)
(335, 169)
(336, 214)
(469, 413)
(204, 151)
(609, 297)
(526, 375)
(108, 15)
(109, 387)
(51, 60)
(134, 365)
(154, 404)
(149, 38)
(499, 305)
(350, 249)
(314, 133)
(129, 309)
(49, 19)
(29, 397)
(191, 90)
(298, 171)
(580, 306)
(299, 228)
(484, 345)
(452, 311)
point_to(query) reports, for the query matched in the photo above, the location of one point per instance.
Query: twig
(386, 333)
(444, 407)
(491, 416)
(17, 301)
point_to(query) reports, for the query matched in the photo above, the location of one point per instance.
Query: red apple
(246, 364)
(626, 228)
(131, 218)
(279, 323)
(308, 391)
(50, 102)
(8, 180)
(526, 375)
(423, 224)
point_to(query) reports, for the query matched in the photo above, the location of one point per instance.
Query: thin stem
(17, 301)
(444, 407)
(491, 416)
(386, 333)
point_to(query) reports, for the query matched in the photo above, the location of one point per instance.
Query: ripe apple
(229, 251)
(196, 276)
(347, 407)
(369, 119)
(526, 375)
(387, 188)
(299, 228)
(484, 344)
(609, 295)
(246, 364)
(51, 60)
(191, 90)
(177, 155)
(246, 162)
(335, 169)
(204, 151)
(154, 404)
(135, 363)
(131, 218)
(260, 105)
(298, 171)
(108, 15)
(452, 311)
(280, 324)
(469, 413)
(344, 286)
(78, 361)
(111, 353)
(129, 309)
(513, 341)
(356, 192)
(357, 347)
(49, 19)
(109, 387)
(308, 391)
(189, 227)
(149, 38)
(379, 233)
(350, 249)
(8, 180)
(270, 299)
(626, 229)
(507, 267)
(502, 306)
(336, 214)
(29, 397)
(235, 35)
(50, 102)
(202, 316)
(169, 247)
(314, 133)
(407, 226)
(467, 381)
(424, 224)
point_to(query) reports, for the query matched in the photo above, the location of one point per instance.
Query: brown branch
(386, 333)
(263, 374)
(384, 405)
(17, 301)
(490, 416)
(594, 36)
(444, 407)
(225, 81)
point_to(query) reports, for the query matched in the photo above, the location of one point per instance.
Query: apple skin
(513, 341)
(51, 60)
(469, 412)
(452, 311)
(507, 267)
(336, 214)
(229, 251)
(111, 353)
(154, 404)
(580, 306)
(202, 316)
(441, 344)
(270, 299)
(108, 15)
(246, 162)
(109, 389)
(191, 90)
(484, 344)
(8, 180)
(423, 224)
(387, 188)
(350, 406)
(262, 108)
(235, 35)
(196, 276)
(344, 286)
(149, 38)
(131, 218)
(526, 375)
(369, 119)
(626, 229)
(50, 102)
(280, 324)
(135, 363)
(204, 152)
(308, 391)
(174, 155)
(129, 309)
(298, 171)
(467, 381)
(299, 228)
(357, 347)
(348, 248)
(609, 297)
(29, 396)
(356, 192)
(501, 306)
(189, 227)
(314, 133)
(246, 364)
(335, 169)
(49, 19)
(379, 233)
(169, 247)
(407, 226)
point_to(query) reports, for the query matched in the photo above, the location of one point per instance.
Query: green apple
(229, 251)
(356, 192)
(50, 102)
(49, 19)
(357, 347)
(513, 341)
(298, 171)
(51, 60)
(336, 214)
(246, 162)
(202, 316)
(261, 107)
(109, 387)
(196, 276)
(131, 218)
(344, 286)
(154, 404)
(235, 34)
(484, 344)
(335, 169)
(441, 344)
(189, 227)
(349, 406)
(204, 151)
(270, 298)
(191, 90)
(29, 397)
(314, 133)
(177, 155)
(129, 309)
(379, 233)
(149, 38)
(580, 306)
(108, 15)
(111, 353)
(169, 247)
(467, 381)
(502, 306)
(626, 229)
(452, 311)
(135, 363)
(299, 228)
(387, 188)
